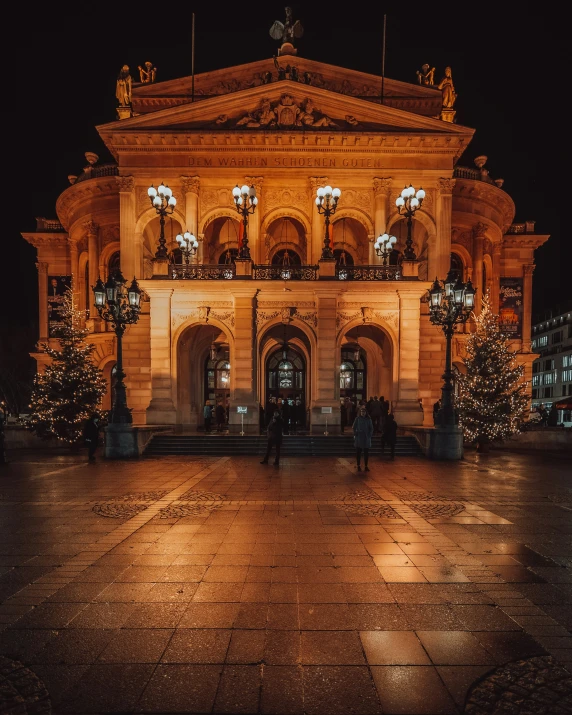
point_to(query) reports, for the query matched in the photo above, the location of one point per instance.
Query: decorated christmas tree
(70, 389)
(493, 398)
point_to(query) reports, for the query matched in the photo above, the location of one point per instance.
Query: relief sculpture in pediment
(285, 113)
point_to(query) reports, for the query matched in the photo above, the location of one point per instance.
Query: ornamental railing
(217, 272)
(368, 273)
(285, 273)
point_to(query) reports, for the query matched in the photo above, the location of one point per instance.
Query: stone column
(191, 186)
(479, 230)
(254, 242)
(443, 213)
(91, 229)
(381, 192)
(74, 267)
(161, 409)
(497, 249)
(244, 363)
(130, 250)
(527, 271)
(42, 267)
(325, 369)
(407, 410)
(318, 228)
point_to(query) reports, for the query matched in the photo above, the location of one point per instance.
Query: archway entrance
(366, 359)
(217, 379)
(286, 386)
(353, 375)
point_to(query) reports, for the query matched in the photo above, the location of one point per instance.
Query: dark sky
(507, 68)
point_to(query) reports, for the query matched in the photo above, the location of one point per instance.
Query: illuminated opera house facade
(284, 314)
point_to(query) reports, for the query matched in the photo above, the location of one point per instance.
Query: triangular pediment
(425, 100)
(284, 106)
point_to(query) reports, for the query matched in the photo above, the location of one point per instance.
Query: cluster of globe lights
(243, 194)
(384, 244)
(187, 243)
(414, 197)
(325, 192)
(161, 192)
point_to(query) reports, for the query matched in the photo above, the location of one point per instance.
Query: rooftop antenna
(193, 58)
(383, 59)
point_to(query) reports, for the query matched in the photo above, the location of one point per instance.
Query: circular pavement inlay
(200, 495)
(21, 691)
(434, 510)
(382, 511)
(535, 686)
(177, 511)
(118, 510)
(361, 495)
(417, 496)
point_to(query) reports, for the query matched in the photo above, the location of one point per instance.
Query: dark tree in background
(70, 389)
(492, 397)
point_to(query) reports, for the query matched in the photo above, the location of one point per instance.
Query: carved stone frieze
(343, 318)
(110, 234)
(223, 316)
(204, 311)
(125, 184)
(310, 317)
(255, 181)
(281, 304)
(317, 181)
(285, 197)
(264, 316)
(464, 238)
(391, 317)
(359, 199)
(142, 200)
(446, 186)
(178, 317)
(286, 112)
(190, 184)
(382, 186)
(210, 198)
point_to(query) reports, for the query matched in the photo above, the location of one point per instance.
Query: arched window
(228, 255)
(352, 375)
(285, 375)
(114, 264)
(343, 260)
(217, 379)
(278, 258)
(456, 266)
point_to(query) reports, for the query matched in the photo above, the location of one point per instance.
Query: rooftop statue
(147, 73)
(426, 75)
(123, 87)
(287, 32)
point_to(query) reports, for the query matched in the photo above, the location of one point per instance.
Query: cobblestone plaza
(218, 585)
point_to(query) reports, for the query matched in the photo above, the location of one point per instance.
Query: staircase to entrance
(292, 445)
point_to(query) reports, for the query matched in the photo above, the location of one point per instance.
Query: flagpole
(383, 59)
(193, 59)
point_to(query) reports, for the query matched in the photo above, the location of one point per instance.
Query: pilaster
(91, 229)
(443, 214)
(161, 409)
(42, 267)
(318, 229)
(381, 192)
(478, 243)
(191, 187)
(327, 364)
(244, 366)
(408, 410)
(131, 253)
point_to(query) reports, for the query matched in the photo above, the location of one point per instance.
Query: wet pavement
(219, 585)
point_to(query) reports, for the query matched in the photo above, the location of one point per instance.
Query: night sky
(507, 68)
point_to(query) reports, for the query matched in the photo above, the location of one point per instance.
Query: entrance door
(353, 376)
(217, 381)
(286, 387)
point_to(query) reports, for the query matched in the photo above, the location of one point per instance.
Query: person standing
(275, 431)
(91, 436)
(343, 415)
(207, 416)
(363, 432)
(436, 408)
(220, 416)
(389, 435)
(375, 414)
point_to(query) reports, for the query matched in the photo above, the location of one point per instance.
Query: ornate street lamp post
(450, 304)
(188, 245)
(246, 201)
(327, 203)
(384, 246)
(120, 306)
(164, 203)
(407, 205)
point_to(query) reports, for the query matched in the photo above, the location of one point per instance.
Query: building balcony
(267, 272)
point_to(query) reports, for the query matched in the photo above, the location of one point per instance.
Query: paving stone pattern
(219, 585)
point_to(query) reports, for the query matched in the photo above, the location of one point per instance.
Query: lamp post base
(446, 443)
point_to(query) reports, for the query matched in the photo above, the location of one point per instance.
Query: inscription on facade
(289, 162)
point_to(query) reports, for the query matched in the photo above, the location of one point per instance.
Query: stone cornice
(45, 239)
(480, 192)
(74, 195)
(524, 241)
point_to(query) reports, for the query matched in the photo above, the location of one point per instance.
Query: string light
(493, 399)
(71, 387)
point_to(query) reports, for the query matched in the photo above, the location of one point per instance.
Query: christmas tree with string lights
(493, 399)
(70, 389)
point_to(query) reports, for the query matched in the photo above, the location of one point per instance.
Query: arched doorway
(353, 375)
(286, 386)
(217, 378)
(285, 256)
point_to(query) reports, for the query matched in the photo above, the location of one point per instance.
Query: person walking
(375, 414)
(389, 435)
(207, 416)
(363, 432)
(220, 416)
(91, 436)
(275, 431)
(384, 406)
